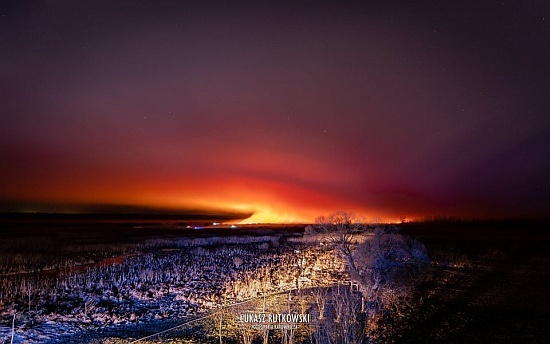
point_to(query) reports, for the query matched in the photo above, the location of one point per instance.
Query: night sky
(391, 109)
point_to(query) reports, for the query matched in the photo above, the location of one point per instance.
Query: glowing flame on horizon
(268, 215)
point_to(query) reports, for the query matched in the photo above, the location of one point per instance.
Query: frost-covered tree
(383, 264)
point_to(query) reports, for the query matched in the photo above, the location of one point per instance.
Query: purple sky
(290, 111)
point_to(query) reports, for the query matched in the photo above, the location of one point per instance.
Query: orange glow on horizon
(275, 188)
(268, 201)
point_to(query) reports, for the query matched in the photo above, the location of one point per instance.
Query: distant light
(216, 223)
(233, 226)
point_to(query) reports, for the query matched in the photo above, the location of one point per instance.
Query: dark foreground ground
(490, 284)
(489, 281)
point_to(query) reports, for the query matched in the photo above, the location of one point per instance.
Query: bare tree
(344, 322)
(381, 263)
(341, 230)
(320, 299)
